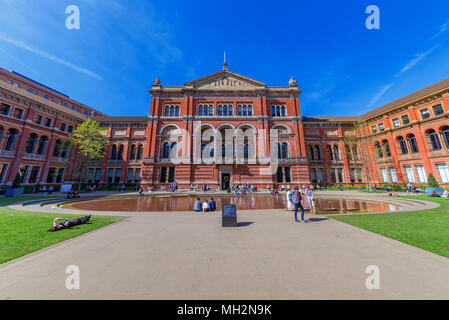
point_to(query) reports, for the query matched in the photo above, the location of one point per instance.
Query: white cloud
(418, 57)
(443, 29)
(380, 94)
(49, 56)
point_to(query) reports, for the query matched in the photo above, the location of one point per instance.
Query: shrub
(432, 181)
(17, 181)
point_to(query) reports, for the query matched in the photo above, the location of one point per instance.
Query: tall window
(387, 150)
(278, 110)
(402, 145)
(355, 152)
(413, 145)
(337, 153)
(42, 144)
(445, 134)
(120, 152)
(330, 153)
(140, 152)
(284, 150)
(31, 142)
(133, 152)
(318, 152)
(378, 149)
(165, 150)
(311, 153)
(433, 140)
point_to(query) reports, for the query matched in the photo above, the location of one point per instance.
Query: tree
(17, 181)
(361, 138)
(89, 144)
(432, 182)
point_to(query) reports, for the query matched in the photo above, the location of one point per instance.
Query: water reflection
(185, 203)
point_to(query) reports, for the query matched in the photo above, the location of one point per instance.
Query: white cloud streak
(413, 62)
(443, 29)
(380, 94)
(49, 56)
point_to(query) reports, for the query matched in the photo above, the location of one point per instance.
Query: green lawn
(428, 229)
(23, 232)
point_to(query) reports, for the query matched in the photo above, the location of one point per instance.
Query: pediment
(225, 79)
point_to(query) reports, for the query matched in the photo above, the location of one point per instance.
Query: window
(384, 174)
(445, 135)
(279, 175)
(378, 149)
(3, 170)
(433, 140)
(410, 175)
(118, 172)
(425, 114)
(320, 175)
(24, 171)
(402, 145)
(35, 92)
(113, 152)
(4, 109)
(387, 150)
(16, 85)
(51, 175)
(413, 145)
(38, 119)
(381, 126)
(70, 129)
(405, 120)
(140, 152)
(287, 174)
(359, 175)
(165, 150)
(244, 110)
(163, 177)
(34, 174)
(8, 81)
(437, 110)
(62, 126)
(133, 153)
(205, 110)
(374, 129)
(130, 175)
(17, 113)
(48, 122)
(31, 143)
(394, 177)
(110, 175)
(444, 173)
(421, 173)
(42, 145)
(171, 174)
(396, 123)
(278, 111)
(137, 176)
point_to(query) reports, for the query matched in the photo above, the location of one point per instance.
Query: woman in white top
(206, 206)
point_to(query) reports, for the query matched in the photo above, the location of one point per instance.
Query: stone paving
(188, 255)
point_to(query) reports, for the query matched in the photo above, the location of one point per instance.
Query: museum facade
(225, 129)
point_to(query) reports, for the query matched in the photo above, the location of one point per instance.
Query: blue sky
(342, 67)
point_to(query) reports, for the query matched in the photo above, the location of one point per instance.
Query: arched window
(31, 142)
(140, 152)
(250, 110)
(225, 110)
(200, 110)
(174, 150)
(337, 153)
(380, 153)
(284, 151)
(203, 146)
(330, 153)
(223, 150)
(167, 111)
(278, 111)
(433, 140)
(65, 150)
(230, 110)
(220, 110)
(283, 111)
(273, 111)
(211, 110)
(413, 144)
(402, 145)
(113, 152)
(355, 152)
(239, 110)
(246, 152)
(41, 146)
(172, 111)
(245, 111)
(120, 152)
(348, 152)
(445, 135)
(133, 153)
(177, 111)
(312, 155)
(318, 152)
(11, 140)
(387, 150)
(165, 150)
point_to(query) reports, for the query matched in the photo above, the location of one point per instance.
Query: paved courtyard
(189, 256)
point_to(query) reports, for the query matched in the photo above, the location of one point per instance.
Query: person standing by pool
(212, 204)
(296, 200)
(197, 206)
(290, 206)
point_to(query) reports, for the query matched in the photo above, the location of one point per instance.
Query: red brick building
(225, 129)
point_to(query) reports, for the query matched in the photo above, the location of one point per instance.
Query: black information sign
(229, 215)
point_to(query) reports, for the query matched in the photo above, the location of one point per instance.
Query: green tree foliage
(432, 181)
(89, 144)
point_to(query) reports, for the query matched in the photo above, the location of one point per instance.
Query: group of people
(295, 197)
(121, 188)
(72, 194)
(206, 206)
(44, 189)
(91, 188)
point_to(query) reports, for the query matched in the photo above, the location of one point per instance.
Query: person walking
(296, 200)
(310, 197)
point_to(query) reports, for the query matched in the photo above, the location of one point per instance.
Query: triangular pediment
(225, 79)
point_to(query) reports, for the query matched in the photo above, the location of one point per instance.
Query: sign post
(229, 215)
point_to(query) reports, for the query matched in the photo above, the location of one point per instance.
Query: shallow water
(185, 203)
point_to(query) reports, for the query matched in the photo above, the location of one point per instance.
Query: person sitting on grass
(445, 195)
(67, 223)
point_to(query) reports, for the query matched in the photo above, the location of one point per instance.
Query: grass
(427, 229)
(24, 232)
